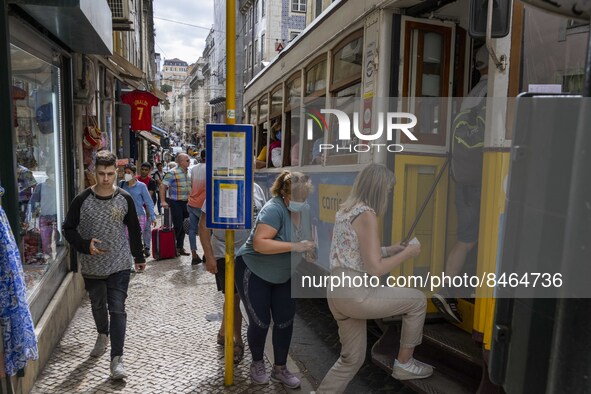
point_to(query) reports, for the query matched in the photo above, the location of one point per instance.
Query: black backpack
(467, 145)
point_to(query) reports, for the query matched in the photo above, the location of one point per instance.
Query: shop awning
(151, 138)
(83, 25)
(124, 70)
(160, 94)
(158, 131)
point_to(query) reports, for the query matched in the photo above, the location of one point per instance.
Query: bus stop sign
(229, 177)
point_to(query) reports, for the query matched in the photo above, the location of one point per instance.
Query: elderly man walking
(179, 187)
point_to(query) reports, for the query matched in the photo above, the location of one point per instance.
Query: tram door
(426, 85)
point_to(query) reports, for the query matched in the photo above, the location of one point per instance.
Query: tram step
(458, 369)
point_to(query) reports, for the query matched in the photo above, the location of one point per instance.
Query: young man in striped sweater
(95, 227)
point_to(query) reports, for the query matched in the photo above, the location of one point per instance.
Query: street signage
(229, 176)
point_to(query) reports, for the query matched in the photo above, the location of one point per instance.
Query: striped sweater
(104, 218)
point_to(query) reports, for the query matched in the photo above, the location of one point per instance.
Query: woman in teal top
(263, 273)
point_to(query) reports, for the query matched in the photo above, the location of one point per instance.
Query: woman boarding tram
(373, 57)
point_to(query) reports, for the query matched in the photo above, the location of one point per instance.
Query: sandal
(221, 340)
(238, 352)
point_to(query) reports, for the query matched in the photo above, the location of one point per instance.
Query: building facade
(67, 67)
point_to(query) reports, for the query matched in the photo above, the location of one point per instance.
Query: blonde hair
(288, 180)
(371, 188)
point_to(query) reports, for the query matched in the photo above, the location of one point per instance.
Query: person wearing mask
(263, 273)
(356, 252)
(274, 151)
(141, 198)
(214, 250)
(176, 182)
(95, 227)
(150, 183)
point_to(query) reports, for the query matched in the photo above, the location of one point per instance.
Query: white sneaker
(100, 346)
(413, 369)
(117, 369)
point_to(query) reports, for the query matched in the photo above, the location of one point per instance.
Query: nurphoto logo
(387, 121)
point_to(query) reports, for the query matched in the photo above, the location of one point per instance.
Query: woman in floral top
(356, 255)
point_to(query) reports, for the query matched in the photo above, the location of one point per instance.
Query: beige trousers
(351, 308)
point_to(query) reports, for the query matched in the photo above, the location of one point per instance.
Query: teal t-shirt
(276, 268)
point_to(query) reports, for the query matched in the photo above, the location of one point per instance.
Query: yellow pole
(230, 119)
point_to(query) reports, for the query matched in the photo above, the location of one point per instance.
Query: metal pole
(7, 153)
(230, 119)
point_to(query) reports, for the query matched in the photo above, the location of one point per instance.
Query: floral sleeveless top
(344, 250)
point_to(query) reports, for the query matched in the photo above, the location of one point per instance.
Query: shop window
(36, 100)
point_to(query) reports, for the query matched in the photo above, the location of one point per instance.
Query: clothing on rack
(20, 343)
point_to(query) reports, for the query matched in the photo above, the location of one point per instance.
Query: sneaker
(258, 373)
(448, 307)
(100, 346)
(413, 369)
(117, 369)
(283, 376)
(147, 252)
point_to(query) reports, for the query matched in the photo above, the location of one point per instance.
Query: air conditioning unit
(121, 16)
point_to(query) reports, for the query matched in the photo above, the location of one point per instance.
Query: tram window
(316, 78)
(347, 62)
(346, 100)
(294, 92)
(427, 79)
(553, 52)
(262, 133)
(252, 114)
(277, 101)
(292, 140)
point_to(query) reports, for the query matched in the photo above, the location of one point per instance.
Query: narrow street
(173, 313)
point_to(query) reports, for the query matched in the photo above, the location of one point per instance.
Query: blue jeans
(109, 294)
(194, 215)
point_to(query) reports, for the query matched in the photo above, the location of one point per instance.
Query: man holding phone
(95, 227)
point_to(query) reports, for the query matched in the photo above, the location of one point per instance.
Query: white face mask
(296, 206)
(128, 177)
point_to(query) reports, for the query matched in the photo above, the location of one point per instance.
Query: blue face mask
(278, 135)
(296, 206)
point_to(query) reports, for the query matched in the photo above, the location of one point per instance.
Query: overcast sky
(179, 40)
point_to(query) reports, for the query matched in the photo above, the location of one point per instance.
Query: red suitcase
(163, 241)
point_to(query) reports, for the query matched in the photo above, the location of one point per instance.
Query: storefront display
(36, 97)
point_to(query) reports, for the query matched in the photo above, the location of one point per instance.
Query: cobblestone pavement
(173, 317)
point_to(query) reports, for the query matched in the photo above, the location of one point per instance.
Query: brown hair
(289, 182)
(105, 158)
